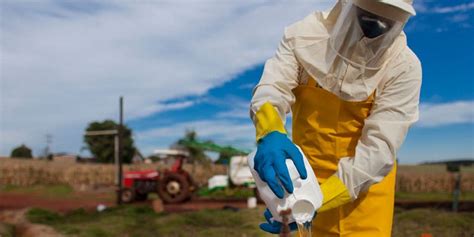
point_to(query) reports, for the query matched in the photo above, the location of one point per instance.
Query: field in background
(25, 173)
(433, 196)
(436, 168)
(431, 178)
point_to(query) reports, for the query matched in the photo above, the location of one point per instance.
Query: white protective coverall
(395, 83)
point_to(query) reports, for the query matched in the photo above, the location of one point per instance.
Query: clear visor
(362, 37)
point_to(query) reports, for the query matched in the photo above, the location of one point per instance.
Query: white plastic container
(218, 181)
(305, 199)
(239, 171)
(251, 202)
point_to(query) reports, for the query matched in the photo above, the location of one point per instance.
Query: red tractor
(173, 185)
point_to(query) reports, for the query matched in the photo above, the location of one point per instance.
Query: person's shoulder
(405, 60)
(409, 57)
(411, 62)
(310, 26)
(405, 68)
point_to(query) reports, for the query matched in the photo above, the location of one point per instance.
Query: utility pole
(120, 152)
(47, 149)
(118, 147)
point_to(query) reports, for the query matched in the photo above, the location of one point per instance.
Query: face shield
(364, 31)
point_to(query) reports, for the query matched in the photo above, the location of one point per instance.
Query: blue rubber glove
(272, 152)
(273, 226)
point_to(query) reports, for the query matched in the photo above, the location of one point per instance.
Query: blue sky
(187, 65)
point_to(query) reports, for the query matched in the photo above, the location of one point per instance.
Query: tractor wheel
(174, 188)
(128, 195)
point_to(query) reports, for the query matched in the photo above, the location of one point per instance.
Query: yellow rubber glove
(335, 194)
(267, 121)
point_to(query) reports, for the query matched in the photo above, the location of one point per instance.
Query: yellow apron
(327, 129)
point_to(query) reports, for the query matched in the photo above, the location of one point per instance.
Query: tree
(102, 147)
(22, 152)
(196, 153)
(197, 148)
(224, 158)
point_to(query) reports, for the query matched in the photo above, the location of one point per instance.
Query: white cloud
(423, 7)
(235, 113)
(459, 18)
(456, 8)
(153, 108)
(454, 17)
(432, 115)
(420, 6)
(64, 64)
(237, 109)
(247, 86)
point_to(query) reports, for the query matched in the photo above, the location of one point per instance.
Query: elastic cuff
(335, 194)
(268, 120)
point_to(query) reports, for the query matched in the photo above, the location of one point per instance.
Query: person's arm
(272, 97)
(395, 109)
(271, 102)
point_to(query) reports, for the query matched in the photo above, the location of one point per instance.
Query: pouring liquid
(303, 213)
(304, 229)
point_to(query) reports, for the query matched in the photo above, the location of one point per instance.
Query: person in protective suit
(352, 85)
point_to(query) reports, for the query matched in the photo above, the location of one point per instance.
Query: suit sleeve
(280, 76)
(394, 111)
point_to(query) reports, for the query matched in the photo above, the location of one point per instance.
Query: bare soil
(88, 201)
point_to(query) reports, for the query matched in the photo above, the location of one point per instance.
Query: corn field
(81, 176)
(432, 182)
(93, 176)
(432, 178)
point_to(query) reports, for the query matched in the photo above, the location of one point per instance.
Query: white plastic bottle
(303, 202)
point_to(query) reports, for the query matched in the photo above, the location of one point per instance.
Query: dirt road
(90, 201)
(12, 201)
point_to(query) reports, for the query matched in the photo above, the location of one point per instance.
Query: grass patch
(143, 221)
(7, 230)
(432, 196)
(228, 192)
(438, 223)
(60, 191)
(42, 216)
